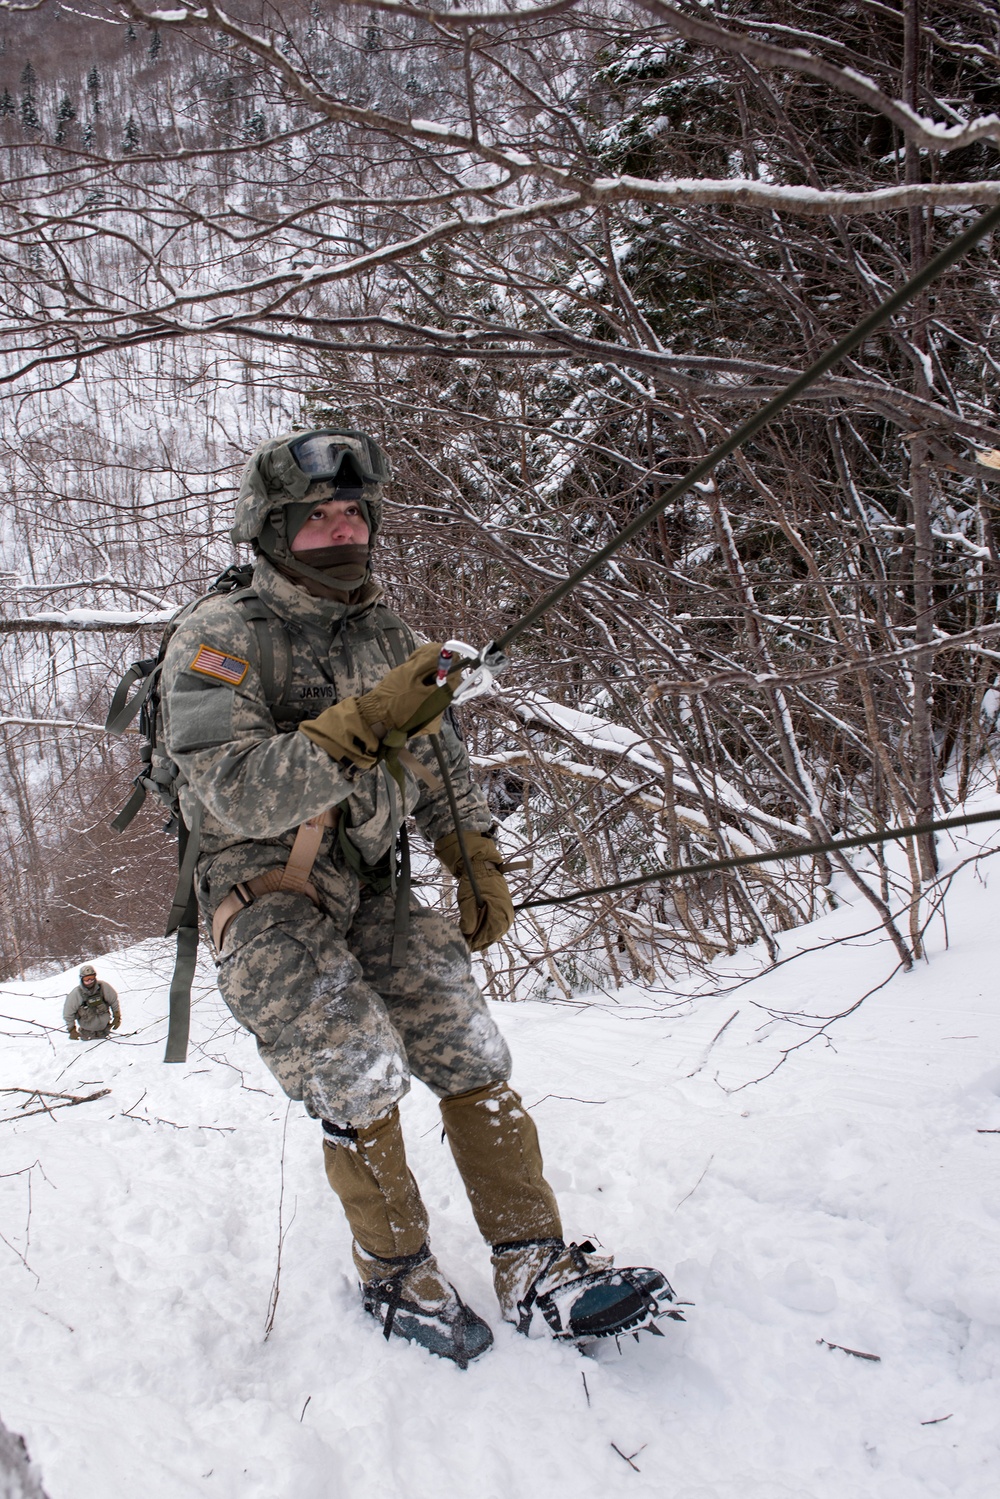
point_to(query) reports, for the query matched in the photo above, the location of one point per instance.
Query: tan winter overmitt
(402, 691)
(344, 734)
(485, 924)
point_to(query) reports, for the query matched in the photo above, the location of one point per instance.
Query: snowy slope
(849, 1196)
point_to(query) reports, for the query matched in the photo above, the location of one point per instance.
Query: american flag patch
(213, 663)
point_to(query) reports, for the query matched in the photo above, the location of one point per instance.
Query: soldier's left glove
(74, 1034)
(402, 692)
(116, 1022)
(485, 924)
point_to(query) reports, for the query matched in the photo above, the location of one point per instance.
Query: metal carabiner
(480, 673)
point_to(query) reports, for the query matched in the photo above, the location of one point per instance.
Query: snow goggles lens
(322, 455)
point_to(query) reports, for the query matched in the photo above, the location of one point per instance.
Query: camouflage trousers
(338, 1026)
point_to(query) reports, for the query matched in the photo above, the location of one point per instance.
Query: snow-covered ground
(851, 1196)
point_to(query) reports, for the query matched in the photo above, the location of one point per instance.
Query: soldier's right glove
(485, 924)
(351, 731)
(74, 1034)
(398, 698)
(344, 734)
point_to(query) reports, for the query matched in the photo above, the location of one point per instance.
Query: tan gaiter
(495, 1145)
(380, 1197)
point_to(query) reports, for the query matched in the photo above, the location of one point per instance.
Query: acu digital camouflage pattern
(338, 1027)
(341, 1028)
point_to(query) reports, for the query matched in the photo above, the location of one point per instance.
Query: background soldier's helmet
(323, 464)
(87, 970)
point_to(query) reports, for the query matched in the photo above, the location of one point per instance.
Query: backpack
(159, 774)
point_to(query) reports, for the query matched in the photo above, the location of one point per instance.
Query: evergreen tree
(130, 142)
(154, 47)
(29, 113)
(255, 127)
(94, 90)
(6, 103)
(65, 115)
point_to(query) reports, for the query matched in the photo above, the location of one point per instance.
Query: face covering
(343, 567)
(327, 572)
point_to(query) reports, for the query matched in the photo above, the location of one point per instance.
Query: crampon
(579, 1296)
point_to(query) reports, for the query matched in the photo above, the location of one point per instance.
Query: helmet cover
(273, 478)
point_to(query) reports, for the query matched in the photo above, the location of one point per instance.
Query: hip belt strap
(292, 876)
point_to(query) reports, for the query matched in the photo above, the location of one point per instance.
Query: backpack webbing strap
(394, 634)
(298, 868)
(131, 807)
(399, 876)
(183, 920)
(179, 1026)
(121, 712)
(401, 912)
(274, 678)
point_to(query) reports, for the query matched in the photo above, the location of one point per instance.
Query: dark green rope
(776, 856)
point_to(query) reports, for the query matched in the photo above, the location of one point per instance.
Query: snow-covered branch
(104, 621)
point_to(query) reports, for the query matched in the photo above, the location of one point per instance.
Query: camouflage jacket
(91, 1009)
(257, 783)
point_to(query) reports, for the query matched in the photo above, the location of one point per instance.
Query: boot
(401, 1284)
(410, 1297)
(543, 1285)
(575, 1295)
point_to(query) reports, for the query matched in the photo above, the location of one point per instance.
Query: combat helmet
(287, 475)
(87, 970)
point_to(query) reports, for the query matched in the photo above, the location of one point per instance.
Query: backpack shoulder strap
(398, 636)
(268, 627)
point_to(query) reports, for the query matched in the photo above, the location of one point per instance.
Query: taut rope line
(774, 856)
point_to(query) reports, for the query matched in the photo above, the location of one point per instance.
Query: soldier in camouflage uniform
(300, 813)
(91, 1011)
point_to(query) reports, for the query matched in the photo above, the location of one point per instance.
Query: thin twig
(629, 1459)
(708, 1048)
(697, 1183)
(873, 1358)
(272, 1305)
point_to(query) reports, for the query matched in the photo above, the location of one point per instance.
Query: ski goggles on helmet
(327, 456)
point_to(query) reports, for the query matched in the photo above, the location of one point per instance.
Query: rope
(777, 856)
(749, 428)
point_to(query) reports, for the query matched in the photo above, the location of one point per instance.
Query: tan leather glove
(487, 923)
(344, 734)
(401, 692)
(74, 1034)
(116, 1022)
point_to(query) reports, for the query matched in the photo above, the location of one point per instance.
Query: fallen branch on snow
(67, 1101)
